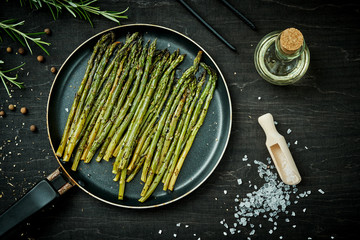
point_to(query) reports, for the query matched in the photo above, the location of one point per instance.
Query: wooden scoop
(279, 151)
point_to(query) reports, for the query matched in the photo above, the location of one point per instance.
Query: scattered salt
(259, 98)
(265, 201)
(321, 191)
(66, 109)
(160, 231)
(304, 210)
(175, 235)
(178, 224)
(225, 191)
(288, 131)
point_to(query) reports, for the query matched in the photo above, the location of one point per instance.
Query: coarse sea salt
(266, 201)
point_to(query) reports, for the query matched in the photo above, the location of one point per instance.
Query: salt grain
(239, 181)
(288, 131)
(321, 191)
(160, 231)
(225, 191)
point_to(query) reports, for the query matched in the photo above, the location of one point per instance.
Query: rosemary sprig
(10, 27)
(80, 8)
(10, 79)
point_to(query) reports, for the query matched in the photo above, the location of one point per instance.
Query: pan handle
(37, 198)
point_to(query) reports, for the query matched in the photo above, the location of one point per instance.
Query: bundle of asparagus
(129, 106)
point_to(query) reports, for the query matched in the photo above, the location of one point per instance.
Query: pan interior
(207, 150)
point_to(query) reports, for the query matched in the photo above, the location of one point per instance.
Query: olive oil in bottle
(282, 58)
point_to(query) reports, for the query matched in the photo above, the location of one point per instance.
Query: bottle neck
(281, 55)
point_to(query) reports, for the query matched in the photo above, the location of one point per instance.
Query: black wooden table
(318, 116)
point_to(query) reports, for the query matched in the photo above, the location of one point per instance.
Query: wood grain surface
(319, 116)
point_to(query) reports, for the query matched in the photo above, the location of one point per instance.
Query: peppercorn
(53, 69)
(47, 31)
(40, 58)
(9, 49)
(2, 113)
(11, 107)
(21, 51)
(23, 110)
(33, 128)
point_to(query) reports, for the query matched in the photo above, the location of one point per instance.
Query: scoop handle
(266, 121)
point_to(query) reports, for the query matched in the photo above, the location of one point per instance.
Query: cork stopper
(291, 40)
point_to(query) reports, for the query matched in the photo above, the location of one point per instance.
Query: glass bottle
(282, 58)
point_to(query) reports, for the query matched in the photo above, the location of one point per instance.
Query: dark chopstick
(240, 15)
(207, 25)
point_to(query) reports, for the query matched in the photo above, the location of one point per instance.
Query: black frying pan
(96, 178)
